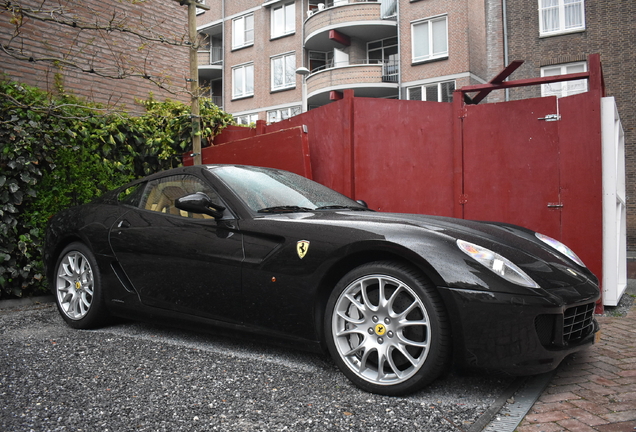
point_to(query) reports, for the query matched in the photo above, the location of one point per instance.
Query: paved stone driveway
(595, 390)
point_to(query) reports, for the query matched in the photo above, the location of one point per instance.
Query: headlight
(497, 264)
(555, 244)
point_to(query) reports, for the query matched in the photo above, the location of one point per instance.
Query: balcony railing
(390, 68)
(210, 56)
(390, 71)
(218, 101)
(388, 7)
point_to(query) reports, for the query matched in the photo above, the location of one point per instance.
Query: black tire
(77, 288)
(409, 329)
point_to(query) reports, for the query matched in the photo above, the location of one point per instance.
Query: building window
(282, 114)
(243, 81)
(283, 20)
(246, 119)
(243, 31)
(283, 71)
(385, 52)
(319, 60)
(561, 16)
(430, 39)
(565, 88)
(438, 92)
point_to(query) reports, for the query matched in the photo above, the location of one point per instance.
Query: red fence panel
(403, 155)
(582, 177)
(287, 149)
(511, 164)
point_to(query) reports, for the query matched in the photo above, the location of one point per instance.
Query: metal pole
(303, 72)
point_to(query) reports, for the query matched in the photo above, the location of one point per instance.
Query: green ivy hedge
(58, 152)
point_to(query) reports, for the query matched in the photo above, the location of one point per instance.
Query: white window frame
(559, 11)
(432, 55)
(564, 88)
(288, 16)
(423, 87)
(243, 72)
(277, 115)
(287, 60)
(242, 36)
(246, 119)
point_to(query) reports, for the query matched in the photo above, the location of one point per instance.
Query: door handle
(555, 205)
(123, 224)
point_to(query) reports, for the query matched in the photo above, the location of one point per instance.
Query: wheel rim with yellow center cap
(74, 285)
(381, 329)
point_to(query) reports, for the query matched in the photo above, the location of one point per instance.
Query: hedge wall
(59, 151)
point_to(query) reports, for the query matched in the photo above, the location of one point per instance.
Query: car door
(177, 260)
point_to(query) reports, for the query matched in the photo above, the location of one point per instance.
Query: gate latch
(551, 117)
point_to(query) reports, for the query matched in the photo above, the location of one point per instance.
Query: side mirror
(362, 203)
(199, 203)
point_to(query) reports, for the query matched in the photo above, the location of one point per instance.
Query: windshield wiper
(342, 207)
(285, 209)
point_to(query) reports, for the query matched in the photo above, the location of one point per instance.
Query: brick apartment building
(410, 49)
(419, 50)
(28, 51)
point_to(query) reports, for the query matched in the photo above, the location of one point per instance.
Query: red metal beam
(525, 82)
(501, 77)
(335, 95)
(336, 36)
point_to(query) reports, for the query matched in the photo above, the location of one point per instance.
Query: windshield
(268, 190)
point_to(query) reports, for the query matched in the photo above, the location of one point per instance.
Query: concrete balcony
(210, 63)
(360, 20)
(366, 80)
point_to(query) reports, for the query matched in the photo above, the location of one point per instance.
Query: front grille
(578, 322)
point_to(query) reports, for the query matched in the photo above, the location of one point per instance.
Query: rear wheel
(77, 288)
(386, 328)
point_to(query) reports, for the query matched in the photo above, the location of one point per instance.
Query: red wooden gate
(511, 164)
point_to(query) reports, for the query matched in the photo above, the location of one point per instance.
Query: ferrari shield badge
(302, 247)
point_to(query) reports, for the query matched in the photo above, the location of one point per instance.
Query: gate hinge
(463, 199)
(551, 117)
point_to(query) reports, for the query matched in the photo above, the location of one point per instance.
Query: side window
(243, 81)
(132, 196)
(161, 194)
(561, 16)
(430, 39)
(283, 20)
(243, 31)
(567, 88)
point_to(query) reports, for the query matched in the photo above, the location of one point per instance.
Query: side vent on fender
(121, 275)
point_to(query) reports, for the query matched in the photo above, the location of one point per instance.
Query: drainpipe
(223, 83)
(399, 40)
(505, 41)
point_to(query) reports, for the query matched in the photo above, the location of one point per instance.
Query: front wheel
(387, 330)
(77, 288)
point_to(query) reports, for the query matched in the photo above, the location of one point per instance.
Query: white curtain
(550, 15)
(440, 45)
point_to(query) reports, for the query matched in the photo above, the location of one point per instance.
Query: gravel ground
(140, 377)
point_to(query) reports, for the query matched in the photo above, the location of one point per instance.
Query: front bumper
(520, 335)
